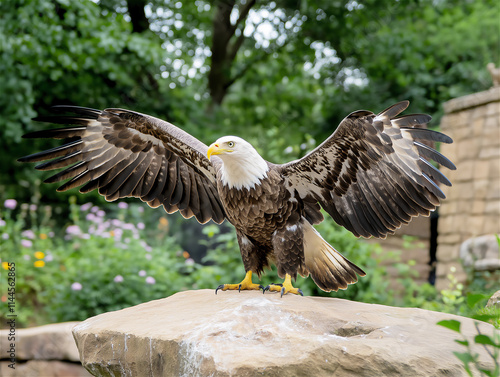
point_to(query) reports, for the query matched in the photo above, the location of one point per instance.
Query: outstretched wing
(127, 154)
(373, 173)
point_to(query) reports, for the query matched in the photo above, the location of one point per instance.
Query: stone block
(489, 152)
(465, 170)
(492, 109)
(467, 150)
(492, 207)
(448, 253)
(493, 190)
(44, 368)
(449, 239)
(494, 166)
(475, 225)
(49, 342)
(481, 188)
(478, 207)
(492, 224)
(481, 169)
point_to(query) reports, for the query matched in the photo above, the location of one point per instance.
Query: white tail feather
(329, 269)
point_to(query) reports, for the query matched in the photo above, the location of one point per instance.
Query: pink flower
(10, 203)
(189, 261)
(122, 205)
(142, 273)
(90, 217)
(28, 234)
(141, 226)
(33, 207)
(150, 280)
(86, 206)
(76, 286)
(26, 243)
(73, 229)
(118, 279)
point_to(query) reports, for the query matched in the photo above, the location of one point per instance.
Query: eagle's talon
(284, 288)
(219, 287)
(246, 284)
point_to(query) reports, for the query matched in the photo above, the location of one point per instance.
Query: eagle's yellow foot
(246, 284)
(284, 288)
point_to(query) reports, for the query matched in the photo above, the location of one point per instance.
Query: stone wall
(472, 207)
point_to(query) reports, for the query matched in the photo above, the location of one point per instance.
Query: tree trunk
(223, 51)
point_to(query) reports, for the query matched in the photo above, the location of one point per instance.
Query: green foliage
(97, 264)
(470, 358)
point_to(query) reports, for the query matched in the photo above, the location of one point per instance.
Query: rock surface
(494, 300)
(46, 351)
(198, 333)
(49, 342)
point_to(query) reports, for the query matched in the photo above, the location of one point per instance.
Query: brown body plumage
(372, 175)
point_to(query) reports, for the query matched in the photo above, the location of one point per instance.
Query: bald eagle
(371, 176)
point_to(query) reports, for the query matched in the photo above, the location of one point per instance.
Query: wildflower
(5, 236)
(101, 213)
(76, 286)
(26, 257)
(33, 207)
(73, 230)
(189, 261)
(49, 258)
(118, 279)
(122, 205)
(142, 273)
(51, 234)
(26, 243)
(2, 222)
(43, 236)
(85, 236)
(94, 209)
(163, 221)
(150, 280)
(148, 256)
(116, 222)
(90, 217)
(28, 234)
(5, 265)
(85, 207)
(10, 203)
(185, 254)
(39, 263)
(140, 226)
(39, 255)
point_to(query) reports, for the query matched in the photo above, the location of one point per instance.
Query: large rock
(48, 351)
(49, 342)
(198, 333)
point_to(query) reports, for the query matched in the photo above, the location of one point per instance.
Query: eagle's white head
(242, 167)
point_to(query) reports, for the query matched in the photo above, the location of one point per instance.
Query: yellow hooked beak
(215, 149)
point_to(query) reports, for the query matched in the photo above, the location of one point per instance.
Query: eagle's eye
(230, 144)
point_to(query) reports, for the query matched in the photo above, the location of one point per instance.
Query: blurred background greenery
(281, 74)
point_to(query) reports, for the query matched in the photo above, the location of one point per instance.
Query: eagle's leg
(246, 283)
(284, 288)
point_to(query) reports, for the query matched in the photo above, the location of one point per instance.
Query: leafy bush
(99, 264)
